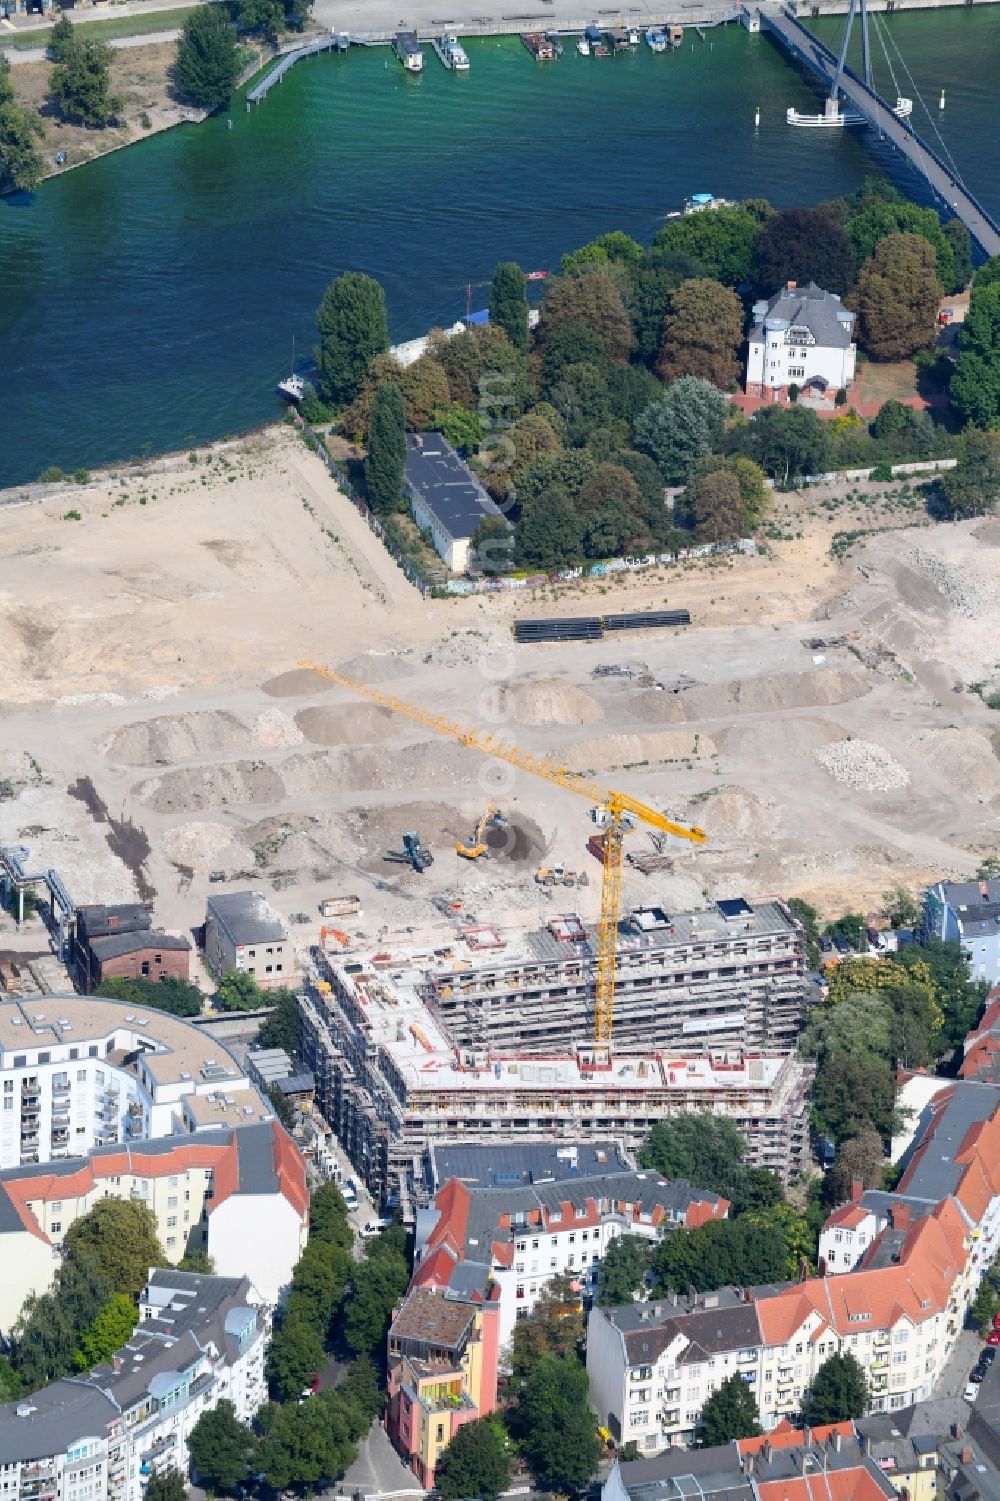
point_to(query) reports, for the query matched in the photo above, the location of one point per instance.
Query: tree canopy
(221, 1448)
(555, 1423)
(353, 329)
(590, 296)
(839, 1392)
(179, 997)
(80, 85)
(802, 245)
(107, 1333)
(897, 297)
(208, 59)
(283, 1028)
(881, 220)
(686, 423)
(386, 458)
(20, 129)
(166, 1485)
(972, 488)
(509, 303)
(720, 240)
(118, 1238)
(975, 384)
(788, 442)
(623, 1269)
(729, 1413)
(475, 1463)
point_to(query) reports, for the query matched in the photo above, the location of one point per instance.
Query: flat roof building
(446, 498)
(243, 932)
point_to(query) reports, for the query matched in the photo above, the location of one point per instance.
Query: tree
(729, 1413)
(283, 1028)
(197, 1261)
(509, 303)
(353, 329)
(208, 59)
(20, 163)
(51, 1324)
(423, 386)
(554, 1327)
(464, 430)
(509, 452)
(296, 1353)
(109, 1331)
(975, 386)
(485, 372)
(571, 344)
(850, 1093)
(702, 334)
(706, 1149)
(986, 1303)
(740, 1252)
(386, 458)
(972, 488)
(839, 1392)
(376, 1285)
(475, 1463)
(590, 296)
(651, 283)
(261, 16)
(960, 240)
(549, 533)
(716, 507)
(880, 221)
(178, 997)
(221, 1448)
(809, 918)
(623, 1269)
(239, 991)
(557, 1426)
(282, 1107)
(803, 245)
(788, 442)
(684, 424)
(118, 1237)
(11, 1385)
(897, 298)
(308, 1444)
(582, 400)
(80, 85)
(900, 908)
(959, 999)
(614, 246)
(166, 1485)
(62, 39)
(631, 388)
(860, 1159)
(721, 240)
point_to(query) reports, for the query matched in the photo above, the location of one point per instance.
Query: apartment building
(242, 931)
(210, 1192)
(967, 912)
(77, 1073)
(99, 1437)
(520, 1235)
(443, 1354)
(397, 1066)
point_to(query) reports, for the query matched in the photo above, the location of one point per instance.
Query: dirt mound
(863, 765)
(196, 788)
(638, 750)
(172, 738)
(733, 813)
(550, 701)
(204, 846)
(966, 758)
(378, 667)
(780, 737)
(346, 724)
(783, 690)
(299, 683)
(18, 766)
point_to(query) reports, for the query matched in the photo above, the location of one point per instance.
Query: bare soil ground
(153, 659)
(140, 74)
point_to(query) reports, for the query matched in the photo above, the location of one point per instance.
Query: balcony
(158, 1450)
(446, 1402)
(60, 1118)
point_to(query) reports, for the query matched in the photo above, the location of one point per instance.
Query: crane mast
(615, 812)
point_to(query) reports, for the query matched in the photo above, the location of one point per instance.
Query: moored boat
(656, 39)
(407, 49)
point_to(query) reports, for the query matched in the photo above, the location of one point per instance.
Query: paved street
(955, 1376)
(378, 1469)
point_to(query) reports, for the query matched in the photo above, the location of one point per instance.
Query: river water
(149, 300)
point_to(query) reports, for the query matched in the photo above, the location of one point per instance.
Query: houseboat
(633, 36)
(539, 46)
(656, 39)
(407, 49)
(618, 37)
(583, 46)
(451, 52)
(675, 36)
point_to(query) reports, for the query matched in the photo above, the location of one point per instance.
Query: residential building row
(897, 1274)
(967, 913)
(77, 1073)
(100, 1436)
(213, 1192)
(490, 1034)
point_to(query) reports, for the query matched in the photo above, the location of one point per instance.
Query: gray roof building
(444, 486)
(246, 917)
(519, 1164)
(821, 315)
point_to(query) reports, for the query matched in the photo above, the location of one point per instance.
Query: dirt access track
(149, 660)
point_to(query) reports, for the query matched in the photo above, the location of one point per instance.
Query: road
(17, 55)
(105, 13)
(378, 1469)
(955, 1376)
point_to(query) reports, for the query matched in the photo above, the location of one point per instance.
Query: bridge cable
(917, 94)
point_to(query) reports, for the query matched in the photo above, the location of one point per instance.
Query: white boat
(293, 387)
(583, 46)
(451, 52)
(407, 49)
(656, 39)
(833, 118)
(633, 36)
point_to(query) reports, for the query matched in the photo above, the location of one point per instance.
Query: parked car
(976, 1375)
(971, 1391)
(987, 1355)
(993, 1339)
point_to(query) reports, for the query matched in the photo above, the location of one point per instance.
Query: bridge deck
(816, 56)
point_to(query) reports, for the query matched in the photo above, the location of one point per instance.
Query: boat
(656, 39)
(675, 36)
(618, 37)
(538, 45)
(599, 50)
(594, 35)
(698, 202)
(407, 49)
(535, 275)
(557, 46)
(633, 36)
(583, 46)
(834, 118)
(293, 387)
(451, 52)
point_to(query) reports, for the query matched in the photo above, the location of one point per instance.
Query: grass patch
(115, 26)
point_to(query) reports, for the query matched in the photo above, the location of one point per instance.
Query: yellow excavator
(477, 847)
(615, 814)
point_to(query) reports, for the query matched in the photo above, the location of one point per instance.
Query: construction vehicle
(615, 813)
(325, 933)
(477, 848)
(558, 875)
(414, 852)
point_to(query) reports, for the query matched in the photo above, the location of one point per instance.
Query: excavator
(616, 814)
(414, 853)
(477, 848)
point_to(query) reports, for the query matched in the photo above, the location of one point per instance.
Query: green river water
(148, 301)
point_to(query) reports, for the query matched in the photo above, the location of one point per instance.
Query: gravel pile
(862, 765)
(956, 587)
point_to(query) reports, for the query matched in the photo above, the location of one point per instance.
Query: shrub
(793, 392)
(53, 475)
(881, 474)
(72, 516)
(840, 400)
(81, 476)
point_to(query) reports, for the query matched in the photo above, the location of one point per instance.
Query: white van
(349, 1193)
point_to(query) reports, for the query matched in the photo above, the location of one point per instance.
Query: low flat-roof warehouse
(446, 498)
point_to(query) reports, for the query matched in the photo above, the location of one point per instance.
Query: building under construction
(491, 1035)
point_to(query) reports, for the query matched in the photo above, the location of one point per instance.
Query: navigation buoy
(756, 118)
(941, 100)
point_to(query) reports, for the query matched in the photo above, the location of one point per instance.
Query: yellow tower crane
(614, 812)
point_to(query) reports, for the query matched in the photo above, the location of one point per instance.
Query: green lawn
(160, 20)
